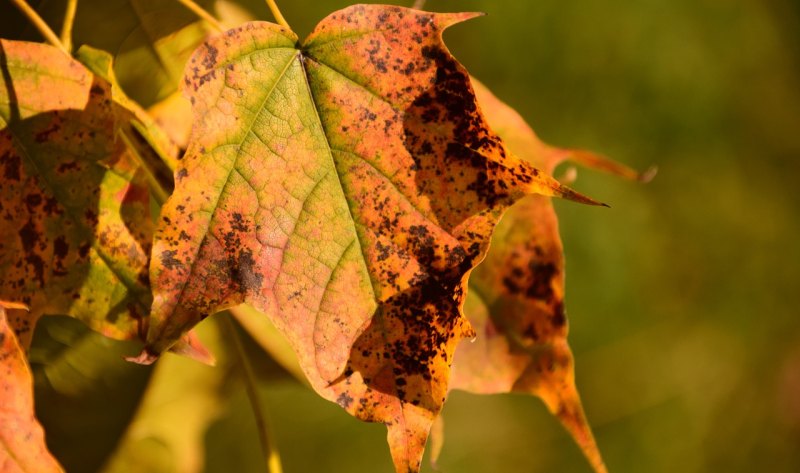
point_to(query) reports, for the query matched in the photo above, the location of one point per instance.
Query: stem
(418, 4)
(40, 25)
(69, 20)
(198, 10)
(276, 12)
(270, 452)
(156, 188)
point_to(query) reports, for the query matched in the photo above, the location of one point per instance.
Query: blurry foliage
(681, 297)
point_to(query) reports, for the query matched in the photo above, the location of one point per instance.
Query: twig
(198, 10)
(276, 12)
(418, 4)
(270, 452)
(40, 25)
(69, 20)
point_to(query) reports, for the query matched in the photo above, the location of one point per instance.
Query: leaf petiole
(276, 12)
(40, 24)
(267, 445)
(198, 10)
(69, 20)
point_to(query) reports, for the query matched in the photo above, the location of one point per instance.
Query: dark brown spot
(168, 259)
(12, 165)
(60, 247)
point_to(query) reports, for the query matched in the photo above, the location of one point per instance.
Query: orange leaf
(22, 446)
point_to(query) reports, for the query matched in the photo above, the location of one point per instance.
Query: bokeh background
(683, 297)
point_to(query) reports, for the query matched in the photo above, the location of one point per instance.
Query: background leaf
(86, 394)
(76, 235)
(182, 399)
(149, 39)
(516, 298)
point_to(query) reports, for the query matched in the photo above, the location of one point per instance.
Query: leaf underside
(345, 186)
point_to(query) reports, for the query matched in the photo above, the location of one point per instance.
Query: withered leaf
(22, 446)
(345, 185)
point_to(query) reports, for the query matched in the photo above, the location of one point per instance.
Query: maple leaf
(74, 194)
(516, 295)
(344, 185)
(22, 446)
(75, 236)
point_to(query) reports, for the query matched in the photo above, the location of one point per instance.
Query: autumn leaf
(76, 235)
(344, 185)
(516, 295)
(77, 158)
(22, 446)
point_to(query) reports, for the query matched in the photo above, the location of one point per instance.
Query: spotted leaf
(76, 234)
(22, 446)
(516, 295)
(345, 185)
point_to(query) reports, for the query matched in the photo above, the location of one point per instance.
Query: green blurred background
(682, 297)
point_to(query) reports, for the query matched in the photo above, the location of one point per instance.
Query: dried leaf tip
(454, 18)
(189, 346)
(566, 193)
(648, 174)
(13, 305)
(146, 357)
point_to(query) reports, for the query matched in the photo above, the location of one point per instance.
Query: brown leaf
(22, 445)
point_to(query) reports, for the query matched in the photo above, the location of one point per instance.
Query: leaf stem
(418, 4)
(276, 12)
(198, 10)
(69, 20)
(270, 452)
(40, 24)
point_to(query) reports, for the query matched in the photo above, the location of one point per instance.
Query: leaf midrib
(361, 244)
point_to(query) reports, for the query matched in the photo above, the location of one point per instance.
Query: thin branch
(198, 10)
(276, 12)
(69, 20)
(418, 4)
(270, 452)
(40, 25)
